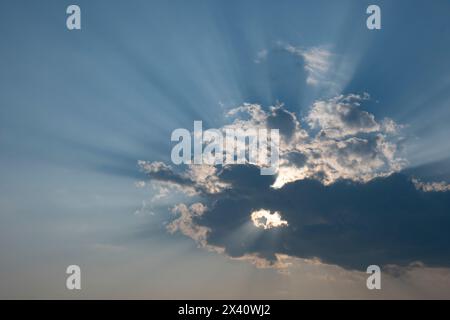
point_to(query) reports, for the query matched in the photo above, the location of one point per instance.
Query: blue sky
(78, 109)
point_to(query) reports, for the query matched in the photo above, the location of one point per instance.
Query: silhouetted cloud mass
(339, 195)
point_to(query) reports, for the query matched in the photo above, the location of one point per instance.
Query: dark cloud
(385, 221)
(245, 177)
(282, 120)
(297, 159)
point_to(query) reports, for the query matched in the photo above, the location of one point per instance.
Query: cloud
(318, 62)
(281, 262)
(283, 120)
(350, 224)
(187, 225)
(341, 116)
(339, 141)
(161, 172)
(194, 180)
(184, 223)
(290, 66)
(339, 197)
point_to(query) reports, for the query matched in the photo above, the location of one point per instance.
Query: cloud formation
(339, 196)
(338, 141)
(184, 222)
(318, 62)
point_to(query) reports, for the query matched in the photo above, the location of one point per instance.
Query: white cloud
(341, 116)
(344, 142)
(185, 224)
(341, 141)
(318, 62)
(205, 178)
(192, 181)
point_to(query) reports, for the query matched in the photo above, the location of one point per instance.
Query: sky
(86, 176)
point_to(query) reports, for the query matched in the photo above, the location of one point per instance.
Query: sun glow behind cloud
(266, 220)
